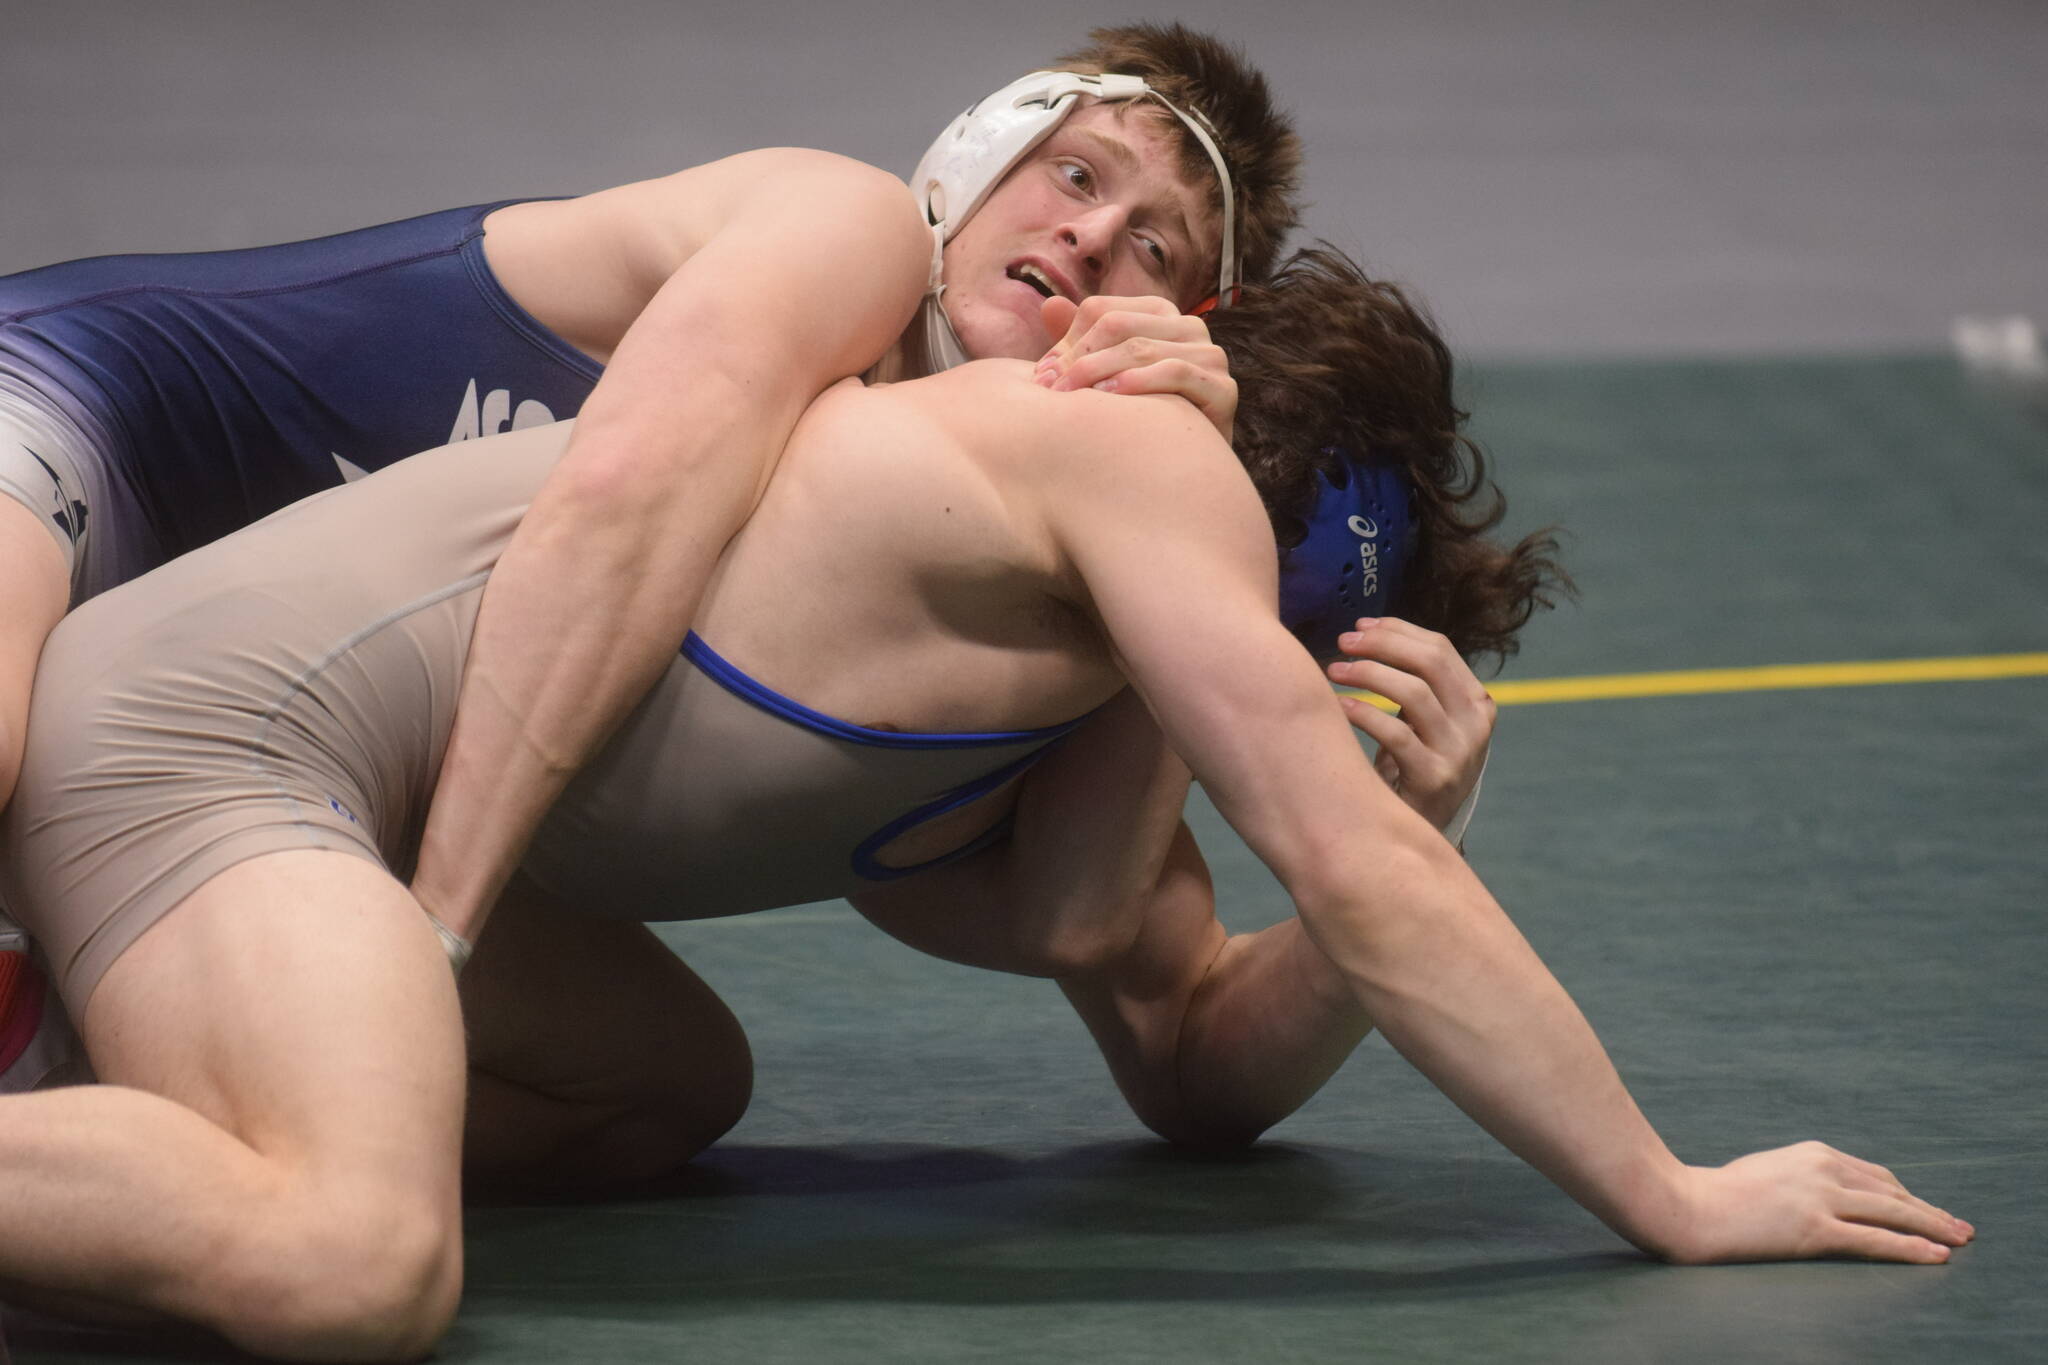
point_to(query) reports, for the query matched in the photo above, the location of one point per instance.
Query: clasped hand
(1137, 345)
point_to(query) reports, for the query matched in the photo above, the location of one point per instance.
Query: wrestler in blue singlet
(210, 389)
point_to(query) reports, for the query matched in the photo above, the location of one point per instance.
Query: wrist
(1461, 818)
(1664, 1220)
(453, 944)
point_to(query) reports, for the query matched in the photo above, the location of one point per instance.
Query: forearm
(1458, 992)
(585, 608)
(597, 589)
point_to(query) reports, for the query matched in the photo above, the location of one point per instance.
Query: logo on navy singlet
(495, 413)
(70, 512)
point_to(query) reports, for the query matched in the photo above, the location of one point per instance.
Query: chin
(993, 334)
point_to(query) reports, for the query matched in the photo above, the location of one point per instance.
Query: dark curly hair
(1325, 356)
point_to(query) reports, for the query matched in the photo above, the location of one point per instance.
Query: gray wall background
(1560, 177)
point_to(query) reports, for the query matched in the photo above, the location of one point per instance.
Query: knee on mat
(723, 1096)
(354, 1279)
(698, 1104)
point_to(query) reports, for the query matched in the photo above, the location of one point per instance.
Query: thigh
(598, 1056)
(301, 1002)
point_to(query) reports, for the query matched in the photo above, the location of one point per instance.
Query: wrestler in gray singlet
(292, 687)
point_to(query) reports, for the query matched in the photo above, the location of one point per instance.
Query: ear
(1058, 315)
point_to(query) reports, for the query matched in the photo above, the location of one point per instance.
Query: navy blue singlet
(223, 385)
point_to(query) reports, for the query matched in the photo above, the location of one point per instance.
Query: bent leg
(598, 1059)
(275, 1155)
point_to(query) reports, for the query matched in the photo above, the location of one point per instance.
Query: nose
(1093, 236)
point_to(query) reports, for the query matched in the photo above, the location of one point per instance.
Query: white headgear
(978, 148)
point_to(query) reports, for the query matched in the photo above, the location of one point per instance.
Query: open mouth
(1027, 273)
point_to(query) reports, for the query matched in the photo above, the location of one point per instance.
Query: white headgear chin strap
(980, 147)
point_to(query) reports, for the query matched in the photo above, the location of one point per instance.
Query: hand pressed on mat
(1803, 1202)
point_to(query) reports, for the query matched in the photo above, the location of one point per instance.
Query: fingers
(1137, 345)
(1427, 655)
(1433, 748)
(1209, 388)
(1875, 1244)
(1058, 314)
(1901, 1214)
(1103, 320)
(1420, 709)
(1869, 1180)
(1875, 1216)
(1809, 1200)
(1400, 748)
(1107, 367)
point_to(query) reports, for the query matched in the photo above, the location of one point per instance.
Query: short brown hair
(1326, 357)
(1203, 74)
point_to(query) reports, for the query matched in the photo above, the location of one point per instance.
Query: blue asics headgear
(1361, 535)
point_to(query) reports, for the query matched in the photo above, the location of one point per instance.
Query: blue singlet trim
(796, 713)
(864, 858)
(506, 307)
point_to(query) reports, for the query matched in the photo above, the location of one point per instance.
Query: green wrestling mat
(1790, 914)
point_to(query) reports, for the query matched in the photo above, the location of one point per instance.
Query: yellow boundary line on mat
(1771, 678)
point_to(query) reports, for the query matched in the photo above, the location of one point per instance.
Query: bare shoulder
(594, 261)
(1124, 454)
(656, 225)
(1093, 436)
(1098, 466)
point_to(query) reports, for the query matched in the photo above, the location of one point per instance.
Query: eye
(1157, 250)
(1078, 176)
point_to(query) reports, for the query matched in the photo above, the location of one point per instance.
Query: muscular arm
(1419, 945)
(800, 271)
(1424, 951)
(1212, 1039)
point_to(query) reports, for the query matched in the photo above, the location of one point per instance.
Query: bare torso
(897, 573)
